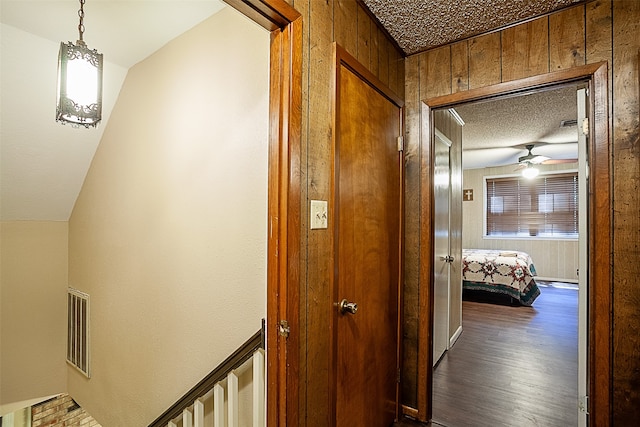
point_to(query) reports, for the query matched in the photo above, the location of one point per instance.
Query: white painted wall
(168, 235)
(554, 259)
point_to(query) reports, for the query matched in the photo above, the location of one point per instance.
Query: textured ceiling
(418, 25)
(496, 131)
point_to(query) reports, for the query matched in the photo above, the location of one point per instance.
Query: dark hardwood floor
(512, 366)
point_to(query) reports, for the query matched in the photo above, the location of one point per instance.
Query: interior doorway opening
(598, 272)
(503, 349)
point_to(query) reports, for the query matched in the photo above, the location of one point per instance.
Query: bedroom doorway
(593, 327)
(488, 155)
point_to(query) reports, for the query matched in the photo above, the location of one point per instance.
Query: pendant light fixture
(79, 99)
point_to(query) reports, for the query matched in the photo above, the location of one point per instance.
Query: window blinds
(543, 207)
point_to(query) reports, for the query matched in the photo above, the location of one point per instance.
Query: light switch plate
(318, 214)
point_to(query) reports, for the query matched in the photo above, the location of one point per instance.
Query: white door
(442, 258)
(583, 261)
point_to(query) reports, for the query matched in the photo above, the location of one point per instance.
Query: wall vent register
(78, 330)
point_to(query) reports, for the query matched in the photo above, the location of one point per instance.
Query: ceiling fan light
(530, 172)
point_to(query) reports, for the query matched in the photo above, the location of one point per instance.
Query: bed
(500, 272)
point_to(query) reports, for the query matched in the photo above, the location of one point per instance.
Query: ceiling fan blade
(559, 161)
(537, 159)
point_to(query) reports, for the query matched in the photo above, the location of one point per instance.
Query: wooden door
(367, 232)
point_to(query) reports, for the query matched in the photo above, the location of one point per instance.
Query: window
(543, 207)
(78, 330)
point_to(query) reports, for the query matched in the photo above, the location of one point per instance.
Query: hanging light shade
(79, 99)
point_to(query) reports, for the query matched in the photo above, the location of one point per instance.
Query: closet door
(447, 322)
(442, 257)
(583, 254)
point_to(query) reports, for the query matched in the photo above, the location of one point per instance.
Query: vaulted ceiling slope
(42, 163)
(418, 25)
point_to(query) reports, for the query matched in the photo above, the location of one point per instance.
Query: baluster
(218, 406)
(258, 389)
(198, 413)
(187, 418)
(232, 399)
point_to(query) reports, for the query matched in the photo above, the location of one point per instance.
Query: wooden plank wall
(348, 24)
(600, 30)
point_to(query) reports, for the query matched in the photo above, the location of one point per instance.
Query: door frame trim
(343, 58)
(599, 373)
(284, 198)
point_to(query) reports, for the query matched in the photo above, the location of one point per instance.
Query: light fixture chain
(81, 24)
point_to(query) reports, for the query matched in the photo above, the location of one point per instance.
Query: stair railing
(220, 388)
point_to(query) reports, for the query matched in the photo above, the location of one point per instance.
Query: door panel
(441, 273)
(367, 242)
(583, 262)
(455, 228)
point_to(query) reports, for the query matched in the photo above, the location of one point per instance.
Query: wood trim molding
(516, 87)
(600, 312)
(425, 323)
(600, 230)
(270, 14)
(283, 242)
(342, 57)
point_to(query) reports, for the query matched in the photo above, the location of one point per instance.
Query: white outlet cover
(318, 213)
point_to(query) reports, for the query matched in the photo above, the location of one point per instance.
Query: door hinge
(284, 329)
(585, 126)
(583, 404)
(400, 143)
(399, 377)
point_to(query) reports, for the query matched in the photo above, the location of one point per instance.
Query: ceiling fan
(528, 162)
(531, 159)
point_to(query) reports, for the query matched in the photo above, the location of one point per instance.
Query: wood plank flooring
(512, 366)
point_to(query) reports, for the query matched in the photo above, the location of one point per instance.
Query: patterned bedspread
(504, 272)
